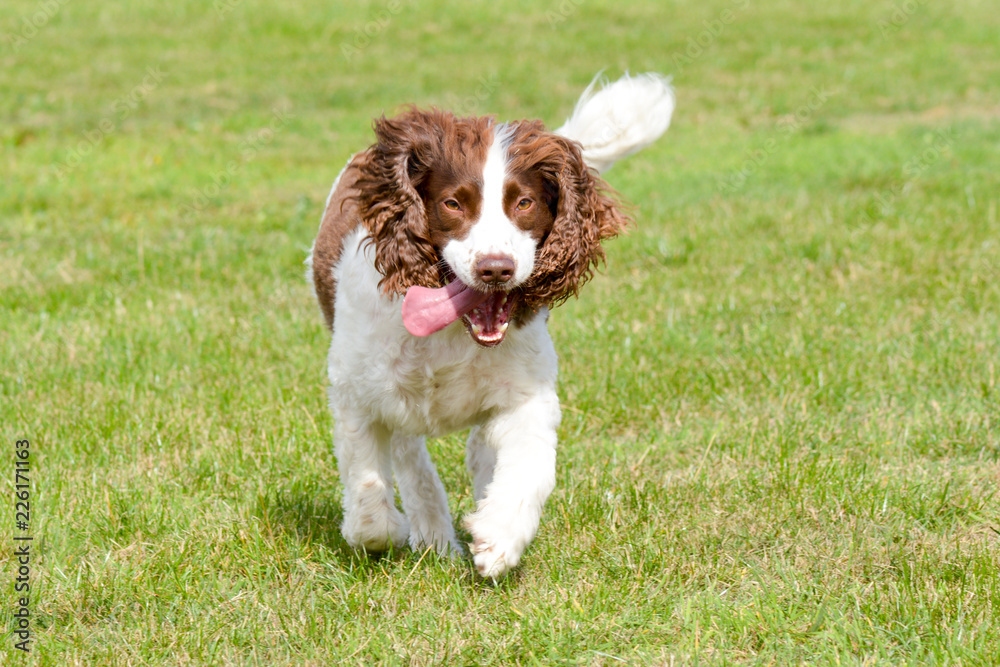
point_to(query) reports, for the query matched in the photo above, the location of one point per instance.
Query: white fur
(620, 118)
(389, 389)
(493, 233)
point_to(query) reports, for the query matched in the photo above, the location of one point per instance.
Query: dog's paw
(494, 559)
(496, 545)
(376, 531)
(440, 538)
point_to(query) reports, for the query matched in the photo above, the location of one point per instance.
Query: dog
(440, 251)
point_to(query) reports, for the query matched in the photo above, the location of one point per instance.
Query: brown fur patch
(586, 213)
(419, 159)
(339, 219)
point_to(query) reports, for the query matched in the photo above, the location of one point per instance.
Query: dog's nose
(495, 269)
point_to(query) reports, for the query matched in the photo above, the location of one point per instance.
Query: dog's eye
(452, 205)
(524, 204)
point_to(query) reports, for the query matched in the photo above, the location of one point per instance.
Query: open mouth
(486, 315)
(487, 323)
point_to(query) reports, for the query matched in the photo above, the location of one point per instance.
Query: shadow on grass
(314, 517)
(308, 515)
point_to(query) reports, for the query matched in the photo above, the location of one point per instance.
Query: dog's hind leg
(424, 499)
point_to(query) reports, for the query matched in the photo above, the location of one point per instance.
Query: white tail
(620, 118)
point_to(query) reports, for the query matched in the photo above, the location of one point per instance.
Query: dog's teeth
(503, 327)
(503, 300)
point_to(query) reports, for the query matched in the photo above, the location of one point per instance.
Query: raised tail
(620, 118)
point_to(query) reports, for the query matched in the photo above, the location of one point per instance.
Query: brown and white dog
(441, 249)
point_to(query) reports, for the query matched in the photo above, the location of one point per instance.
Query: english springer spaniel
(441, 249)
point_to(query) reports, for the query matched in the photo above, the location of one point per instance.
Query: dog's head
(509, 210)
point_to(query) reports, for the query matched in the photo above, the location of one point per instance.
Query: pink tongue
(427, 310)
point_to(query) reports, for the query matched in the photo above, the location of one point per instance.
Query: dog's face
(509, 210)
(487, 223)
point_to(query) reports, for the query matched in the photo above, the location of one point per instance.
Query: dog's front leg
(506, 519)
(371, 520)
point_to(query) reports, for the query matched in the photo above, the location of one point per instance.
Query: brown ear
(389, 202)
(586, 214)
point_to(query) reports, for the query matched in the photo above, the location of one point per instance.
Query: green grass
(781, 428)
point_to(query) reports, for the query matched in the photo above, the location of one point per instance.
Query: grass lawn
(781, 431)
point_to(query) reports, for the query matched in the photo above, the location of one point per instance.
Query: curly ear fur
(393, 211)
(389, 202)
(586, 213)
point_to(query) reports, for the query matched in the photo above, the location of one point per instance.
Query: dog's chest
(424, 385)
(439, 389)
